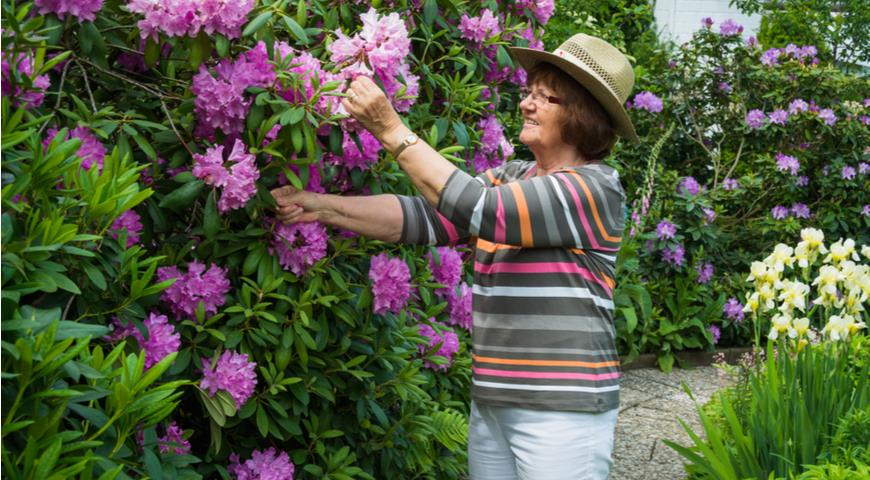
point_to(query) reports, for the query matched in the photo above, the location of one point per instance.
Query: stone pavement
(650, 404)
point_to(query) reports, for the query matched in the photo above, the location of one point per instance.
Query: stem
(59, 96)
(87, 85)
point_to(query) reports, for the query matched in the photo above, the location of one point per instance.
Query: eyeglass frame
(537, 97)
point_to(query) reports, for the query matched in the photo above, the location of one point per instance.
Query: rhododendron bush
(158, 321)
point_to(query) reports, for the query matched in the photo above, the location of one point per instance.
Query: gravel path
(651, 402)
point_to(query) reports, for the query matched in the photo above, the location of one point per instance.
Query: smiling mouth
(531, 122)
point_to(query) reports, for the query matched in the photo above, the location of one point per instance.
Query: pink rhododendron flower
(787, 163)
(715, 332)
(495, 148)
(730, 184)
(446, 269)
(705, 272)
(674, 256)
(298, 246)
(391, 283)
(733, 309)
(197, 285)
(239, 183)
(755, 119)
(665, 230)
(352, 156)
(30, 97)
(647, 101)
(162, 338)
(129, 221)
(479, 29)
(91, 151)
(265, 465)
(689, 186)
(448, 341)
(828, 117)
(173, 441)
(779, 212)
(729, 28)
(232, 373)
(83, 10)
(778, 116)
(178, 18)
(459, 306)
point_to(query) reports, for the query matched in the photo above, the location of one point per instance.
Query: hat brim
(528, 58)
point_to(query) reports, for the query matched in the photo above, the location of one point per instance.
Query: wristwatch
(411, 139)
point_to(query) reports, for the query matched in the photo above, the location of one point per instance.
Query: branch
(172, 124)
(87, 85)
(59, 95)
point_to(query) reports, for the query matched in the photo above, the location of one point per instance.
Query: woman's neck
(553, 161)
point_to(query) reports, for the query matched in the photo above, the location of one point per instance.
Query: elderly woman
(546, 233)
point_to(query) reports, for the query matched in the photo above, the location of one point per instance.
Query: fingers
(289, 214)
(285, 195)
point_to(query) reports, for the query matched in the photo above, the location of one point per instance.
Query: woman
(545, 368)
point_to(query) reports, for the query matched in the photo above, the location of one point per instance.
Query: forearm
(377, 216)
(427, 169)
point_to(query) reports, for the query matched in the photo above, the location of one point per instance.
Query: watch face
(411, 139)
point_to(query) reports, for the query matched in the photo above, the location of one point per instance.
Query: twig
(736, 158)
(68, 304)
(129, 80)
(172, 124)
(59, 95)
(87, 85)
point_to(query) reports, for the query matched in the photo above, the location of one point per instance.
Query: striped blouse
(544, 261)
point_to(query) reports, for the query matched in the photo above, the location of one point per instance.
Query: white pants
(517, 443)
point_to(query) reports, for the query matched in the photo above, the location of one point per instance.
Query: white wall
(678, 19)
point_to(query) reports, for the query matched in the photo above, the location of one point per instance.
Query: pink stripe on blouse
(452, 234)
(548, 375)
(539, 267)
(499, 218)
(586, 227)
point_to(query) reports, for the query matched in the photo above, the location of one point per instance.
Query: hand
(295, 205)
(368, 104)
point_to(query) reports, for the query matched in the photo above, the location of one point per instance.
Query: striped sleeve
(579, 208)
(423, 225)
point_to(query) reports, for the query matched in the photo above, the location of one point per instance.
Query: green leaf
(210, 219)
(221, 44)
(430, 11)
(296, 30)
(256, 23)
(301, 12)
(69, 329)
(200, 49)
(214, 410)
(182, 196)
(152, 465)
(152, 52)
(262, 421)
(95, 276)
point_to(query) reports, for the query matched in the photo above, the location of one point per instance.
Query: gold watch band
(409, 140)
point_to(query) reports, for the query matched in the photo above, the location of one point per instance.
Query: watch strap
(409, 140)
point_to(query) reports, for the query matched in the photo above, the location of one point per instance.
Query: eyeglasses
(538, 98)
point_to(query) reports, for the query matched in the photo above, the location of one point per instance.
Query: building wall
(678, 19)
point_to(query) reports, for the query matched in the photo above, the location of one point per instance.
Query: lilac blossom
(27, 98)
(729, 28)
(848, 172)
(730, 184)
(778, 116)
(298, 246)
(779, 212)
(83, 10)
(447, 342)
(91, 151)
(733, 309)
(239, 183)
(828, 117)
(787, 163)
(665, 230)
(674, 256)
(755, 119)
(173, 441)
(647, 101)
(705, 272)
(265, 465)
(715, 332)
(800, 210)
(232, 373)
(129, 221)
(197, 285)
(391, 283)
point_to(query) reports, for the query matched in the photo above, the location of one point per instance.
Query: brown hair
(585, 123)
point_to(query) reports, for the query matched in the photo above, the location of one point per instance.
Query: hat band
(581, 56)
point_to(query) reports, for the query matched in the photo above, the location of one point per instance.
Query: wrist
(393, 138)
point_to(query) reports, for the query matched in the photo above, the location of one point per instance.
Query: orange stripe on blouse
(594, 207)
(492, 178)
(523, 213)
(544, 363)
(491, 247)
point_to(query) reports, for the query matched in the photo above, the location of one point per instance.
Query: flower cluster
(265, 465)
(675, 255)
(239, 183)
(23, 65)
(541, 10)
(232, 373)
(446, 266)
(705, 272)
(791, 51)
(379, 49)
(646, 101)
(665, 230)
(459, 307)
(178, 18)
(730, 28)
(129, 221)
(479, 29)
(447, 343)
(787, 163)
(91, 151)
(352, 156)
(219, 102)
(798, 210)
(198, 285)
(83, 10)
(688, 186)
(307, 72)
(173, 441)
(756, 118)
(733, 310)
(298, 246)
(495, 148)
(391, 283)
(162, 337)
(842, 287)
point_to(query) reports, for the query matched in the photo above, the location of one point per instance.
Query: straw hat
(598, 66)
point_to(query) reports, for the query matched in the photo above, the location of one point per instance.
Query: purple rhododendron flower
(863, 168)
(479, 29)
(733, 309)
(27, 98)
(730, 184)
(865, 211)
(716, 332)
(709, 215)
(800, 210)
(239, 182)
(752, 42)
(495, 148)
(706, 22)
(802, 181)
(778, 116)
(446, 269)
(265, 465)
(755, 119)
(665, 230)
(797, 105)
(770, 57)
(674, 256)
(689, 186)
(197, 285)
(83, 10)
(459, 307)
(725, 87)
(173, 441)
(232, 373)
(298, 246)
(729, 28)
(828, 117)
(391, 283)
(448, 340)
(129, 221)
(352, 156)
(787, 163)
(178, 18)
(91, 151)
(779, 212)
(306, 68)
(705, 272)
(162, 338)
(647, 101)
(848, 172)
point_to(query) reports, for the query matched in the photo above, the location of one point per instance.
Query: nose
(526, 103)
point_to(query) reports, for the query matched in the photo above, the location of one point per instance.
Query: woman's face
(541, 119)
